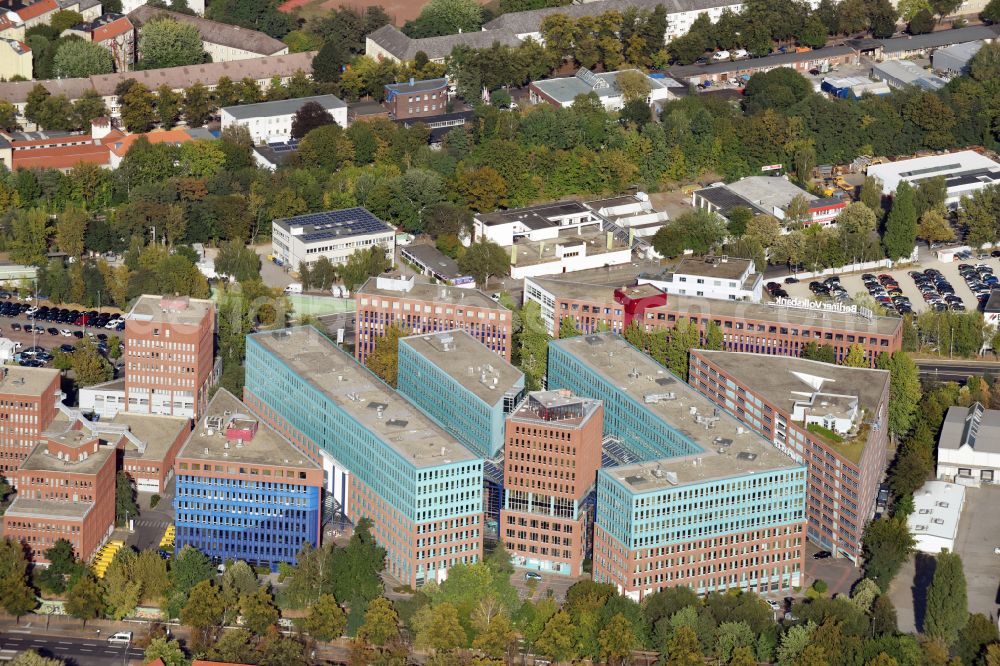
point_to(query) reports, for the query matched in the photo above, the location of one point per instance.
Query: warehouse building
(965, 172)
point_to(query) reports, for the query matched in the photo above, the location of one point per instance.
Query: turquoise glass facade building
(383, 458)
(710, 505)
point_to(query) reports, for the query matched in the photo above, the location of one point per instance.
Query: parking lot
(45, 331)
(978, 531)
(853, 284)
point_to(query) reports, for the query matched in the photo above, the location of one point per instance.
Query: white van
(720, 55)
(294, 288)
(120, 638)
(739, 54)
(335, 290)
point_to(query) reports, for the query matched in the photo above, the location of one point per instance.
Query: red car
(82, 320)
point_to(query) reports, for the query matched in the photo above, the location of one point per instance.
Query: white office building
(934, 521)
(965, 172)
(335, 234)
(969, 446)
(719, 277)
(271, 122)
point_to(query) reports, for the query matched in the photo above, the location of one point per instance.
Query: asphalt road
(74, 651)
(955, 371)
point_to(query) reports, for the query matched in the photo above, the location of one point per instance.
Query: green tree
(16, 596)
(991, 14)
(977, 633)
(532, 344)
(495, 637)
(125, 505)
(77, 58)
(85, 600)
(166, 42)
(446, 17)
(901, 224)
(922, 22)
(201, 159)
(883, 616)
(234, 646)
(326, 620)
(330, 62)
(556, 639)
(31, 232)
(169, 651)
(699, 231)
(856, 357)
(484, 260)
(89, 365)
(8, 117)
(197, 106)
(886, 543)
(258, 611)
(189, 568)
(438, 628)
(138, 110)
(904, 390)
(684, 648)
(617, 640)
(934, 228)
(381, 623)
(568, 328)
(237, 261)
(482, 189)
(947, 608)
(32, 658)
(814, 351)
(739, 218)
(384, 356)
(168, 106)
(362, 265)
(204, 607)
(732, 636)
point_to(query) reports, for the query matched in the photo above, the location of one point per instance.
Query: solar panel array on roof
(336, 223)
(284, 146)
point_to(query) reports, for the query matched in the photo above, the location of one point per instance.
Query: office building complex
(334, 234)
(148, 454)
(382, 458)
(464, 387)
(833, 418)
(551, 458)
(28, 399)
(420, 307)
(65, 490)
(702, 501)
(244, 491)
(773, 329)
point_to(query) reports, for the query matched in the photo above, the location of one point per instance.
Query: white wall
(568, 265)
(275, 127)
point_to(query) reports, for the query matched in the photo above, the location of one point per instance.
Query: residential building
(690, 459)
(148, 453)
(551, 457)
(270, 122)
(436, 265)
(419, 307)
(965, 172)
(334, 234)
(561, 92)
(553, 238)
(65, 490)
(389, 43)
(15, 59)
(223, 42)
(833, 418)
(260, 70)
(416, 99)
(777, 329)
(115, 32)
(903, 73)
(462, 385)
(770, 195)
(969, 446)
(28, 403)
(824, 60)
(955, 59)
(937, 509)
(118, 143)
(467, 390)
(272, 155)
(713, 277)
(633, 212)
(383, 459)
(244, 492)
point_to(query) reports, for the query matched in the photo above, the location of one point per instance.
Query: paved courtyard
(978, 535)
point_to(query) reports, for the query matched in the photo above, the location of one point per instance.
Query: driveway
(978, 531)
(839, 574)
(151, 523)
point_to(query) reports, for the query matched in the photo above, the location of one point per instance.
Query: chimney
(412, 80)
(100, 128)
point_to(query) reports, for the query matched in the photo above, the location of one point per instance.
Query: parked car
(120, 638)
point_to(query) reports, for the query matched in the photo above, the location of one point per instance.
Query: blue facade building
(244, 492)
(710, 505)
(383, 459)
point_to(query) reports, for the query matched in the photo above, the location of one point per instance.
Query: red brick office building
(551, 457)
(746, 327)
(28, 398)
